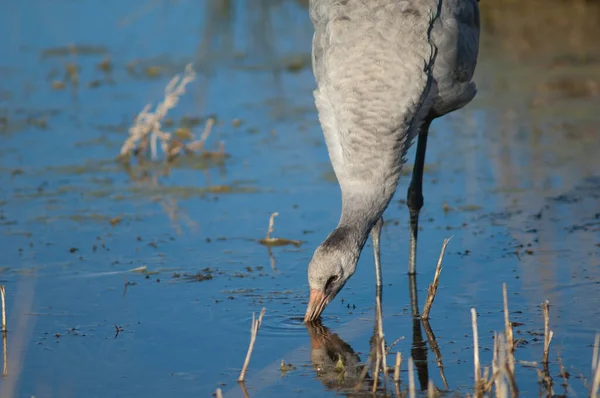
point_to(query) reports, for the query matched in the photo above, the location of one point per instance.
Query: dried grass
(146, 133)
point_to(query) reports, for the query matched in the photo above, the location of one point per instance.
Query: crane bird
(385, 69)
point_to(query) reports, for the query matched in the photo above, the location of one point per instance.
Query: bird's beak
(316, 305)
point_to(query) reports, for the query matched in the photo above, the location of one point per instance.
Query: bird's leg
(375, 235)
(414, 197)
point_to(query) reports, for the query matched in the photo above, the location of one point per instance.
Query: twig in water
(547, 332)
(411, 379)
(3, 295)
(432, 290)
(477, 366)
(219, 393)
(253, 332)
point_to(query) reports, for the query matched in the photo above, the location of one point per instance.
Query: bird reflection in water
(336, 364)
(340, 368)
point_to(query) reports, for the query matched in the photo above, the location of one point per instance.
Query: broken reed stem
(271, 225)
(219, 393)
(547, 332)
(596, 363)
(253, 332)
(411, 379)
(510, 342)
(496, 363)
(432, 290)
(397, 367)
(477, 366)
(3, 295)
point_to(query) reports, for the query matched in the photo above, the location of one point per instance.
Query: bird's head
(332, 264)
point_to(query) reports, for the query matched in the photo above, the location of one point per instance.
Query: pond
(141, 278)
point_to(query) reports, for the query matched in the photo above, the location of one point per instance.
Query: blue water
(507, 173)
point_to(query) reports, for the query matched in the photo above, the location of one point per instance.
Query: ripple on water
(282, 324)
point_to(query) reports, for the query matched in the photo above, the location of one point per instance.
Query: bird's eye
(331, 280)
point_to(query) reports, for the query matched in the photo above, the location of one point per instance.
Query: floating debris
(269, 241)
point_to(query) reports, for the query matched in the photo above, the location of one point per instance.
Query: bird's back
(372, 61)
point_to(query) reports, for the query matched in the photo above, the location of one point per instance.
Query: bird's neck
(360, 211)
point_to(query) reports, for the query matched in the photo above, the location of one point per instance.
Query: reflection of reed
(144, 177)
(5, 354)
(22, 325)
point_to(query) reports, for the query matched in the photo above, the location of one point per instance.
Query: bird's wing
(319, 17)
(456, 36)
(372, 61)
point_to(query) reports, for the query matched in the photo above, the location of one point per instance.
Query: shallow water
(513, 178)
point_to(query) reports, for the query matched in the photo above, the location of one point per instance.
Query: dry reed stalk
(397, 367)
(412, 392)
(253, 333)
(547, 332)
(219, 393)
(198, 145)
(389, 348)
(507, 380)
(432, 290)
(476, 364)
(510, 342)
(271, 225)
(147, 124)
(3, 297)
(496, 363)
(596, 365)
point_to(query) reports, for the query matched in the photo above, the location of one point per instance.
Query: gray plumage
(384, 70)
